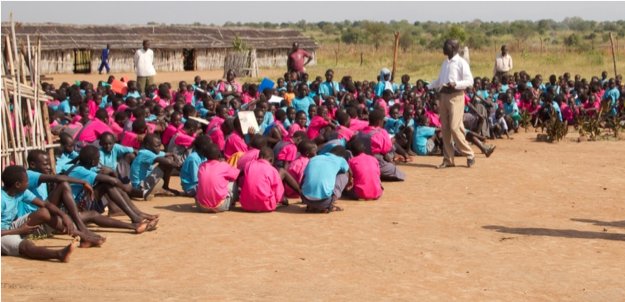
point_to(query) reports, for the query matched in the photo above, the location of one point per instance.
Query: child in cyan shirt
(189, 169)
(217, 190)
(144, 176)
(366, 173)
(325, 178)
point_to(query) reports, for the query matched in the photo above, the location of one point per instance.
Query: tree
(302, 24)
(572, 40)
(455, 32)
(376, 32)
(405, 41)
(352, 36)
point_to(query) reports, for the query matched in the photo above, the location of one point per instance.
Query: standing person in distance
(105, 59)
(144, 66)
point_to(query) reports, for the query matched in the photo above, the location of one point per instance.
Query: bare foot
(141, 227)
(148, 216)
(88, 241)
(67, 251)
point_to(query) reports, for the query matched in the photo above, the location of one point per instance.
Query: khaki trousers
(451, 114)
(143, 82)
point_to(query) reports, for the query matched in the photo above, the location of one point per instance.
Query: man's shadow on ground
(556, 233)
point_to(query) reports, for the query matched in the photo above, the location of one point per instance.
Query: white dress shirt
(502, 64)
(455, 70)
(144, 63)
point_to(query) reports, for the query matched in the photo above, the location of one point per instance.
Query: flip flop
(165, 193)
(147, 223)
(152, 226)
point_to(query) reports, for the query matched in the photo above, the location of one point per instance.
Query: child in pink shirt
(216, 188)
(435, 120)
(250, 95)
(343, 131)
(175, 124)
(300, 123)
(285, 151)
(262, 187)
(307, 149)
(234, 137)
(135, 137)
(319, 122)
(258, 142)
(355, 124)
(94, 128)
(365, 172)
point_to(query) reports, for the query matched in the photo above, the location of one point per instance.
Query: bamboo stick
(613, 55)
(395, 56)
(15, 139)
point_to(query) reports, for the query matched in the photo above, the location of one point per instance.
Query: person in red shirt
(295, 61)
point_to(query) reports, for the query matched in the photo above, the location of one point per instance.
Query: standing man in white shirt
(144, 65)
(503, 63)
(455, 76)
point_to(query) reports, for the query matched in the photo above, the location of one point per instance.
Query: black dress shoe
(470, 162)
(444, 165)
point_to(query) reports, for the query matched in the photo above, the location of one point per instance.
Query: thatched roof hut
(77, 48)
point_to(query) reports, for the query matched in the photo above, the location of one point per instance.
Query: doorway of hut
(188, 59)
(82, 61)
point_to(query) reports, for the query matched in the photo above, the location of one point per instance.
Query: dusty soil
(535, 222)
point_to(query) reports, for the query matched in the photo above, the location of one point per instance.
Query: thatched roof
(62, 36)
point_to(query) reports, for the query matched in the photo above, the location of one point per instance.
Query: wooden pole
(361, 58)
(395, 56)
(613, 54)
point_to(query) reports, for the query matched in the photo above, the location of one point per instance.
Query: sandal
(334, 208)
(165, 193)
(152, 226)
(147, 225)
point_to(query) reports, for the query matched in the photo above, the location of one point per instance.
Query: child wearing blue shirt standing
(325, 178)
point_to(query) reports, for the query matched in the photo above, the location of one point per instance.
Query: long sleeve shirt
(502, 64)
(144, 63)
(456, 70)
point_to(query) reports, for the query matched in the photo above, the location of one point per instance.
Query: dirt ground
(535, 222)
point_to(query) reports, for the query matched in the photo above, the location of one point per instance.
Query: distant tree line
(572, 31)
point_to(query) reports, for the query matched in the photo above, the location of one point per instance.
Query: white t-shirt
(144, 63)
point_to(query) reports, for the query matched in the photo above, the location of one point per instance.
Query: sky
(205, 12)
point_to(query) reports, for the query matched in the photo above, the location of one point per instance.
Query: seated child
(175, 124)
(355, 124)
(15, 230)
(276, 129)
(144, 176)
(262, 186)
(214, 127)
(290, 117)
(217, 190)
(365, 172)
(307, 150)
(300, 123)
(403, 138)
(319, 122)
(325, 178)
(257, 143)
(427, 140)
(134, 138)
(189, 169)
(285, 151)
(67, 151)
(392, 125)
(180, 144)
(90, 132)
(234, 138)
(378, 143)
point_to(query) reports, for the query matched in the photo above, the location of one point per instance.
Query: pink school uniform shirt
(215, 122)
(366, 173)
(435, 120)
(188, 96)
(357, 125)
(129, 139)
(344, 132)
(92, 131)
(93, 108)
(567, 113)
(117, 130)
(169, 132)
(234, 144)
(316, 124)
(280, 126)
(183, 139)
(587, 105)
(246, 97)
(224, 86)
(380, 142)
(213, 178)
(250, 155)
(262, 187)
(296, 170)
(123, 107)
(289, 151)
(294, 128)
(381, 103)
